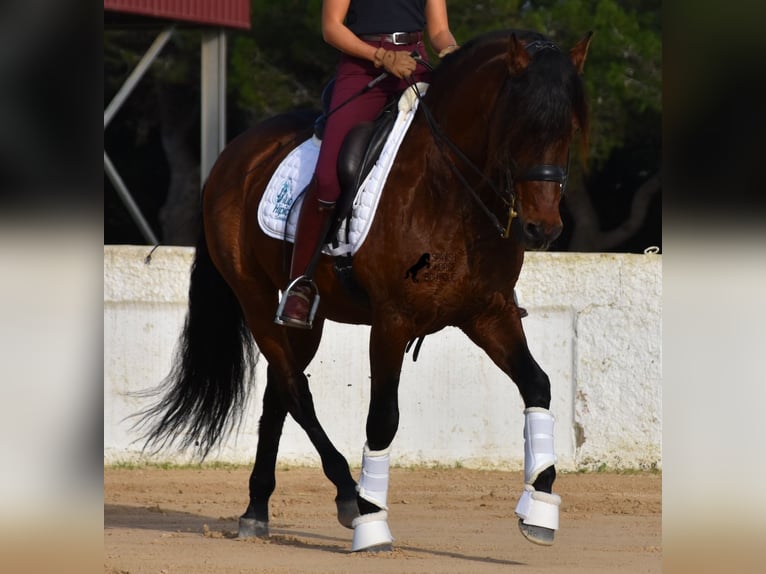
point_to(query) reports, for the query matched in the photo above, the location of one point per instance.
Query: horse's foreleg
(502, 337)
(371, 530)
(255, 520)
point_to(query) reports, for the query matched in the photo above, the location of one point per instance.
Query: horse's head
(537, 113)
(516, 118)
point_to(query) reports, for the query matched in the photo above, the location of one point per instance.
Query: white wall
(594, 326)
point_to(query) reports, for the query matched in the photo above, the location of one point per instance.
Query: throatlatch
(538, 508)
(371, 530)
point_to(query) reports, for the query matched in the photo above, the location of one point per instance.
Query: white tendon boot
(371, 530)
(538, 512)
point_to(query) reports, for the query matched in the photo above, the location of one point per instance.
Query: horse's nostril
(533, 230)
(538, 234)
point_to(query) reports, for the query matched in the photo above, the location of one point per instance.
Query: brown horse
(477, 179)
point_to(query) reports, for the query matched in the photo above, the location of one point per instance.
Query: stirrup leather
(302, 279)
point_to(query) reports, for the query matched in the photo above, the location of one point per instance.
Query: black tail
(206, 391)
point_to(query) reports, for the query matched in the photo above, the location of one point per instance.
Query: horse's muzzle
(540, 236)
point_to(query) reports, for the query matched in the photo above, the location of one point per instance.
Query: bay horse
(478, 177)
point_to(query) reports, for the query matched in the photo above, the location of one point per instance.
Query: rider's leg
(313, 224)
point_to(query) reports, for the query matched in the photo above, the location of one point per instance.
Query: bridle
(506, 192)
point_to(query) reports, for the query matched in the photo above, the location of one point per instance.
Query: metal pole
(136, 75)
(124, 194)
(213, 105)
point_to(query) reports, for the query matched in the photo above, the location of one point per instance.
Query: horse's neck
(463, 111)
(459, 142)
(434, 182)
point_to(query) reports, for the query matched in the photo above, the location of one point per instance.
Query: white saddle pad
(281, 197)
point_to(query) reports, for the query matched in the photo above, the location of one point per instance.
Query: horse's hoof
(252, 528)
(537, 534)
(348, 510)
(371, 533)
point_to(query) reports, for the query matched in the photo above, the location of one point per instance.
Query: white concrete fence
(594, 326)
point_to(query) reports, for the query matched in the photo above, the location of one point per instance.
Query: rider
(370, 34)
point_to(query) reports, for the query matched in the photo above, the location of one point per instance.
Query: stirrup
(280, 319)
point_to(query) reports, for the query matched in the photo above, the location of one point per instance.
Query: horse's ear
(580, 52)
(518, 57)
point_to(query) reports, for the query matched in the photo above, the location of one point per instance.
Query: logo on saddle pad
(284, 200)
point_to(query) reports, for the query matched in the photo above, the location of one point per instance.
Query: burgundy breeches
(352, 75)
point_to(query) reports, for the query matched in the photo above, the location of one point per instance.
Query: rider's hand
(400, 64)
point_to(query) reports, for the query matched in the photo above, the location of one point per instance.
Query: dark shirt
(385, 16)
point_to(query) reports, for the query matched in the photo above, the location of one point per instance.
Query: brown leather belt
(397, 38)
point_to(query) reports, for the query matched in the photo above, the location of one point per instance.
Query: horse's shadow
(162, 519)
(166, 520)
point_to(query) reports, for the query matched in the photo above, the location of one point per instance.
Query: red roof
(229, 13)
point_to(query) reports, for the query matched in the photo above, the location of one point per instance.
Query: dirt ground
(169, 521)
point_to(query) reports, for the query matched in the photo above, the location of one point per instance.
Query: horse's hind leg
(255, 520)
(502, 337)
(304, 344)
(287, 391)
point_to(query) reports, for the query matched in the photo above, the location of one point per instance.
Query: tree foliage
(282, 62)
